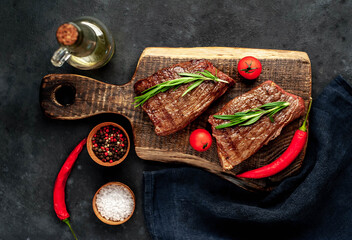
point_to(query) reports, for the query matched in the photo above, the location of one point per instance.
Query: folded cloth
(189, 203)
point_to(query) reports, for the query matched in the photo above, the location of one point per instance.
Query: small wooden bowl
(90, 145)
(104, 220)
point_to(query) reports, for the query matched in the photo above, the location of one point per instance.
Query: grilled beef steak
(236, 144)
(169, 111)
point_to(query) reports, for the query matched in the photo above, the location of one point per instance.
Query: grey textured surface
(33, 147)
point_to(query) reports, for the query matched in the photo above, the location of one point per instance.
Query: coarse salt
(114, 202)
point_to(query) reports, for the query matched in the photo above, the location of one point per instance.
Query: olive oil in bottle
(85, 43)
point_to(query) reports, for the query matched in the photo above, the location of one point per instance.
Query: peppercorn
(109, 144)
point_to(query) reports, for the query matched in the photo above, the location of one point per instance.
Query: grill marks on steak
(236, 144)
(169, 111)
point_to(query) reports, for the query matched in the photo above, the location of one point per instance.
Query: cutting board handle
(70, 96)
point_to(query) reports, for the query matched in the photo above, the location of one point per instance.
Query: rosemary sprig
(198, 78)
(251, 116)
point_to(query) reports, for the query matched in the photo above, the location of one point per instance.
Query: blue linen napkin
(189, 203)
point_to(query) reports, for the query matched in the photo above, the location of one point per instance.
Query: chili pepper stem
(304, 125)
(68, 224)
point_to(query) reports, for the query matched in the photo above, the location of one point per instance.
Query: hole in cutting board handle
(64, 95)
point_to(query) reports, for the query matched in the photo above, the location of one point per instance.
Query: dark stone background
(33, 147)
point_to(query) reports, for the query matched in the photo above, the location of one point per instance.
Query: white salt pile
(114, 202)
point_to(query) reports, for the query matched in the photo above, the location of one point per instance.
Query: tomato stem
(249, 69)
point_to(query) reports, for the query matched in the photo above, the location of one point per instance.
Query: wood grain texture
(291, 70)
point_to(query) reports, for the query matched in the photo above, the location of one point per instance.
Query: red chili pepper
(297, 144)
(60, 183)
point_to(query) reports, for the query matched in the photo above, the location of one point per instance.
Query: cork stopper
(67, 34)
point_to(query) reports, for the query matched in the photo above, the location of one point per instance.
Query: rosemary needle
(198, 78)
(251, 116)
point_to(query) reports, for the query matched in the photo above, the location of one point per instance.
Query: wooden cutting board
(289, 69)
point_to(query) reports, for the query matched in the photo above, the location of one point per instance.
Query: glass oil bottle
(85, 43)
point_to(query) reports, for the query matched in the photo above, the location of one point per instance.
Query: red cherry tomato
(200, 140)
(249, 67)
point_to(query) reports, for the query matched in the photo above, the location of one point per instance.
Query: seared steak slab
(169, 111)
(236, 144)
